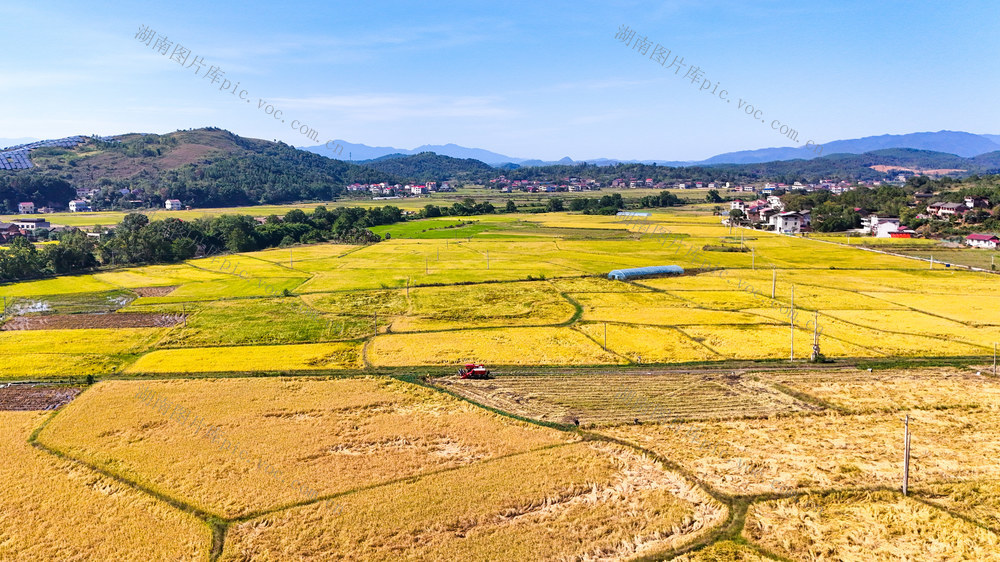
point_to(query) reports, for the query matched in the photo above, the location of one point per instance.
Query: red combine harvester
(474, 371)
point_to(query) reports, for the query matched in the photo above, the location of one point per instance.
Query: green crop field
(453, 280)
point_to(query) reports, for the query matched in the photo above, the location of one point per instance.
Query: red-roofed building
(988, 241)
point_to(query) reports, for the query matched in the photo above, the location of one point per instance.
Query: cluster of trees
(663, 199)
(41, 189)
(137, 240)
(606, 205)
(22, 260)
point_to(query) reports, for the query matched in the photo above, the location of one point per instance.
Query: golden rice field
(506, 346)
(250, 358)
(54, 509)
(333, 435)
(512, 298)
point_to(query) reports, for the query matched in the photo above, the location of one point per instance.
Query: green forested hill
(201, 167)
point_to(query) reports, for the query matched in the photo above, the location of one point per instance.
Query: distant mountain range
(966, 145)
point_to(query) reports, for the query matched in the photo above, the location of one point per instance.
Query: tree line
(138, 241)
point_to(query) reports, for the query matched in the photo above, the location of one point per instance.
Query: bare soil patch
(154, 291)
(82, 321)
(24, 397)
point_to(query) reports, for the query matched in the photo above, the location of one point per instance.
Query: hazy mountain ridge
(959, 143)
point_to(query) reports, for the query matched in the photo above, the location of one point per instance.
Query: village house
(78, 206)
(787, 223)
(31, 225)
(973, 202)
(943, 210)
(903, 232)
(26, 208)
(173, 205)
(8, 231)
(987, 241)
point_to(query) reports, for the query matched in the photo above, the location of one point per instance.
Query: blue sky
(526, 79)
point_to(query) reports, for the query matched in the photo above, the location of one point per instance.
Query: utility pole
(774, 280)
(815, 355)
(791, 323)
(375, 318)
(184, 313)
(906, 454)
(932, 262)
(606, 341)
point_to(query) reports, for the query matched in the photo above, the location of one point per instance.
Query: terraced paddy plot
(105, 341)
(973, 307)
(261, 321)
(56, 286)
(897, 390)
(226, 288)
(721, 300)
(299, 257)
(866, 526)
(496, 346)
(332, 435)
(158, 276)
(771, 341)
(828, 450)
(600, 502)
(69, 303)
(251, 358)
(493, 304)
(35, 397)
(886, 341)
(98, 320)
(385, 303)
(608, 399)
(595, 284)
(58, 366)
(53, 509)
(648, 344)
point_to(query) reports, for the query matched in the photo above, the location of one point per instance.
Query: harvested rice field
(866, 526)
(600, 502)
(594, 400)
